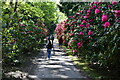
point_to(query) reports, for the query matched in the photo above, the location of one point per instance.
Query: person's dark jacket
(49, 45)
(60, 40)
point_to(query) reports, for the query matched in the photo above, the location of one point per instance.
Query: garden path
(59, 67)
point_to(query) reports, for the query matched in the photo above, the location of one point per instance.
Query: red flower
(99, 7)
(97, 11)
(72, 34)
(73, 17)
(88, 14)
(106, 24)
(69, 44)
(91, 20)
(87, 25)
(114, 2)
(81, 33)
(73, 40)
(116, 15)
(104, 18)
(18, 19)
(74, 51)
(85, 17)
(73, 22)
(35, 28)
(81, 25)
(84, 21)
(80, 44)
(93, 7)
(117, 11)
(90, 33)
(88, 11)
(109, 6)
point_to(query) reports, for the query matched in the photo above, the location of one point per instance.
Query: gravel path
(58, 68)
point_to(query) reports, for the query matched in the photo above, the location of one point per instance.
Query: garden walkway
(59, 67)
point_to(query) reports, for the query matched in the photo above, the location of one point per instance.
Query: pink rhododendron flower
(99, 7)
(90, 33)
(117, 11)
(73, 40)
(69, 44)
(85, 17)
(84, 21)
(114, 2)
(91, 4)
(117, 20)
(88, 11)
(72, 34)
(74, 51)
(79, 44)
(116, 15)
(104, 18)
(109, 6)
(93, 7)
(81, 33)
(87, 25)
(95, 2)
(73, 22)
(88, 14)
(70, 25)
(66, 24)
(91, 20)
(97, 11)
(35, 28)
(80, 11)
(67, 19)
(73, 17)
(81, 25)
(106, 24)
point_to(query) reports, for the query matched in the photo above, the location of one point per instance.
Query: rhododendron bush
(24, 28)
(92, 32)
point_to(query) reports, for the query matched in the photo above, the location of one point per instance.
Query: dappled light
(60, 40)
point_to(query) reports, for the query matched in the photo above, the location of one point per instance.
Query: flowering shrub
(95, 30)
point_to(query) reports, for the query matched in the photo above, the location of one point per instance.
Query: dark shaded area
(58, 50)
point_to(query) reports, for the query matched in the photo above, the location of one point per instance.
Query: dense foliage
(24, 28)
(92, 32)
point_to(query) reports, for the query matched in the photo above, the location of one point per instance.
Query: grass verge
(83, 66)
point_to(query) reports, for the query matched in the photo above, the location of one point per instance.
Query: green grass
(81, 64)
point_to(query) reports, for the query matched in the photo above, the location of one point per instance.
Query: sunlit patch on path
(60, 66)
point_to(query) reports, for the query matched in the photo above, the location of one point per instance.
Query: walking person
(47, 38)
(49, 47)
(52, 38)
(60, 40)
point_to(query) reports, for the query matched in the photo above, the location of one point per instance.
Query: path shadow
(57, 51)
